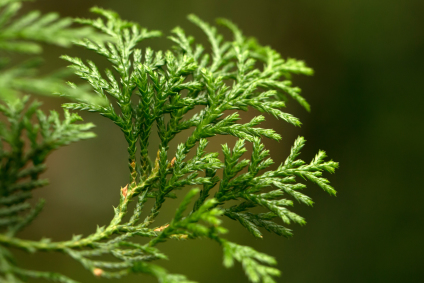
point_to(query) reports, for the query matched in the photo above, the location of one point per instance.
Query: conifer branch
(142, 88)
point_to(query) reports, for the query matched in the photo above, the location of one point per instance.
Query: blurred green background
(366, 96)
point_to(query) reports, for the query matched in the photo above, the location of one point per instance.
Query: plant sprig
(143, 88)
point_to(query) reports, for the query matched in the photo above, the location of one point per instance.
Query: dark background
(366, 98)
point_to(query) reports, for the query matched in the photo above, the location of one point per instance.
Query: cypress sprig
(22, 164)
(25, 34)
(141, 88)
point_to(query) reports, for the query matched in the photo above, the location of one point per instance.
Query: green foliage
(22, 163)
(144, 88)
(24, 34)
(251, 261)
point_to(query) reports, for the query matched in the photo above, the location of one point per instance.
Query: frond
(141, 88)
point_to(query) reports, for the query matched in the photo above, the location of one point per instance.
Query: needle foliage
(143, 89)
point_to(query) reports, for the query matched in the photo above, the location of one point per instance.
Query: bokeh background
(367, 99)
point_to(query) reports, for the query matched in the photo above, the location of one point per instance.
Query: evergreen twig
(143, 88)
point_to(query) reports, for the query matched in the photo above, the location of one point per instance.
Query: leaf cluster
(26, 138)
(144, 88)
(25, 34)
